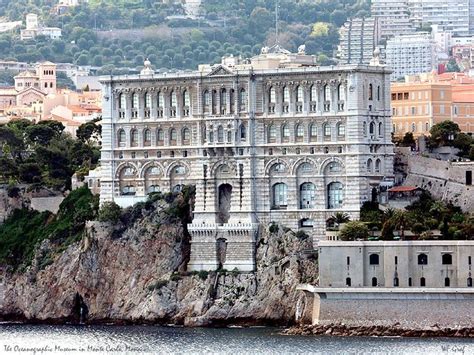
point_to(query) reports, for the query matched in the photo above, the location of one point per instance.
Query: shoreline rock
(379, 331)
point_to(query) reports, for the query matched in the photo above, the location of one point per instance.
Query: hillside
(118, 34)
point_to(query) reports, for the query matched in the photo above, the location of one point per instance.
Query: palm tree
(400, 222)
(339, 218)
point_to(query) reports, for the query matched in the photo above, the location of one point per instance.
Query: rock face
(138, 274)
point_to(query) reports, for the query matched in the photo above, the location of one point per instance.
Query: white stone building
(432, 264)
(33, 29)
(452, 15)
(393, 17)
(411, 54)
(358, 39)
(275, 138)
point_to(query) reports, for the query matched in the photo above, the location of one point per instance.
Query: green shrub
(273, 229)
(157, 285)
(354, 230)
(110, 212)
(203, 274)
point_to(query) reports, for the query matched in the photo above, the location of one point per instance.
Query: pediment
(220, 70)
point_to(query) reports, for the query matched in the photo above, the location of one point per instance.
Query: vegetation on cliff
(118, 34)
(22, 233)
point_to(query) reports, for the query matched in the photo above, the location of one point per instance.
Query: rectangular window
(469, 177)
(348, 260)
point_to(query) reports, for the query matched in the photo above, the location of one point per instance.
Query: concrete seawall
(412, 308)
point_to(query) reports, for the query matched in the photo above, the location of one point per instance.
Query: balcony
(327, 106)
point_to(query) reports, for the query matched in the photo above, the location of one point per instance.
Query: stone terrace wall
(444, 180)
(409, 310)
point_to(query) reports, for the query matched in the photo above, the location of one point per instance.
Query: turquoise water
(46, 339)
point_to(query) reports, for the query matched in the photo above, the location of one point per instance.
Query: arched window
(378, 166)
(364, 128)
(286, 94)
(374, 282)
(299, 132)
(160, 100)
(206, 98)
(427, 126)
(186, 135)
(272, 95)
(380, 129)
(469, 281)
(341, 129)
(313, 93)
(147, 137)
(160, 137)
(410, 282)
(372, 128)
(211, 134)
(173, 100)
(122, 101)
(327, 130)
(147, 100)
(299, 94)
(186, 99)
(348, 281)
(327, 92)
(229, 136)
(307, 195)
(278, 168)
(371, 92)
(374, 259)
(271, 133)
(121, 138)
(333, 168)
(340, 92)
(422, 259)
(335, 195)
(313, 131)
(134, 100)
(214, 101)
(413, 127)
(422, 282)
(378, 93)
(243, 132)
(280, 195)
(447, 259)
(369, 166)
(242, 100)
(305, 168)
(396, 282)
(285, 133)
(220, 134)
(447, 282)
(134, 138)
(173, 136)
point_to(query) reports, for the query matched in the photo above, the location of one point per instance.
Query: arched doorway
(225, 194)
(221, 251)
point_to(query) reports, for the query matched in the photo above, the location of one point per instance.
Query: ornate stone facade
(268, 139)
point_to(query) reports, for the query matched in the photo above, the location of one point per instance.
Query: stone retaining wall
(409, 308)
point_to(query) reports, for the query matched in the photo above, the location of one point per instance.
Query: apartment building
(393, 17)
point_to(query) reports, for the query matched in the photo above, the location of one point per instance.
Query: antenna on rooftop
(276, 21)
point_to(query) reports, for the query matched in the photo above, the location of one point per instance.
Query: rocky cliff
(135, 271)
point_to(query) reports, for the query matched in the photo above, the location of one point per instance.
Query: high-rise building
(451, 15)
(358, 39)
(276, 138)
(411, 54)
(393, 16)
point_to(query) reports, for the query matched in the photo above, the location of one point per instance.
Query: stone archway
(224, 196)
(221, 251)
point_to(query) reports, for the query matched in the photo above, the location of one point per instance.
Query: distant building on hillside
(422, 101)
(33, 29)
(393, 17)
(411, 54)
(358, 39)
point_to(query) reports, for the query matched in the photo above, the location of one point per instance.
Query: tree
(408, 140)
(400, 221)
(339, 218)
(110, 212)
(463, 142)
(320, 29)
(444, 133)
(354, 230)
(452, 66)
(89, 131)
